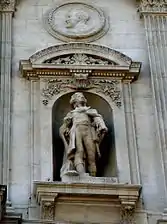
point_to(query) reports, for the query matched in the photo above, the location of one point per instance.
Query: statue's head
(76, 16)
(78, 98)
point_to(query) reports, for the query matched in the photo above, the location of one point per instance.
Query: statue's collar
(80, 109)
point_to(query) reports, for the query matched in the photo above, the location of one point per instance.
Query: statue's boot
(80, 168)
(92, 170)
(93, 174)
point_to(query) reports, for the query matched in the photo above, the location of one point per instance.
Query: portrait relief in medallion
(76, 21)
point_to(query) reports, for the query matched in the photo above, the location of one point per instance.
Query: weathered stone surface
(139, 135)
(54, 199)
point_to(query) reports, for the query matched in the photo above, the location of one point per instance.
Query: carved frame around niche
(66, 68)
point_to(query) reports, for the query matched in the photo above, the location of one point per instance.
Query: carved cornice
(127, 210)
(7, 5)
(76, 58)
(158, 7)
(80, 48)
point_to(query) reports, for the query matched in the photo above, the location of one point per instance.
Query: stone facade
(121, 60)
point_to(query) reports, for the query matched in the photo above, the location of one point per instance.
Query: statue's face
(71, 20)
(74, 17)
(79, 98)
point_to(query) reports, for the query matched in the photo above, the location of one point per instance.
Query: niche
(106, 165)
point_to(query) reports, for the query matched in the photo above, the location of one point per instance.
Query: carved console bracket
(128, 205)
(80, 66)
(50, 195)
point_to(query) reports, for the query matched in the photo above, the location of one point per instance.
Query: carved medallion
(76, 21)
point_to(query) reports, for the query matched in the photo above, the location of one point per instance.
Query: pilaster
(6, 12)
(154, 13)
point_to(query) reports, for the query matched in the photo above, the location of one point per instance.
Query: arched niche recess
(106, 165)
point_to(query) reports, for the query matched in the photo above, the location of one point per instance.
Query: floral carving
(111, 89)
(153, 6)
(54, 87)
(4, 3)
(152, 3)
(127, 215)
(107, 87)
(48, 210)
(79, 59)
(80, 47)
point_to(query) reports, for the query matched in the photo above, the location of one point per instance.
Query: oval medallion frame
(76, 21)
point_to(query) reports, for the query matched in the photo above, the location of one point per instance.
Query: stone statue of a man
(82, 131)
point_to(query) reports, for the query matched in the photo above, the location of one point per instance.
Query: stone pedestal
(86, 178)
(87, 202)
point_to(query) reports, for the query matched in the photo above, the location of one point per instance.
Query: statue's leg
(79, 155)
(91, 154)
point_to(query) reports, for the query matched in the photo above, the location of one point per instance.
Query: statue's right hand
(67, 120)
(67, 132)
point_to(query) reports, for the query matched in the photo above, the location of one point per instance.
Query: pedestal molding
(48, 194)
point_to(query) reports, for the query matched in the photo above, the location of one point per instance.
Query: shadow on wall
(106, 165)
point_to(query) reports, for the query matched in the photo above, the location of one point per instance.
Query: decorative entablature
(80, 61)
(80, 66)
(153, 7)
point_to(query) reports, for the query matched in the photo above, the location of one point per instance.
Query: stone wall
(127, 35)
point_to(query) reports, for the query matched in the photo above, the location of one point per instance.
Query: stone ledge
(161, 221)
(66, 178)
(9, 218)
(50, 195)
(86, 188)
